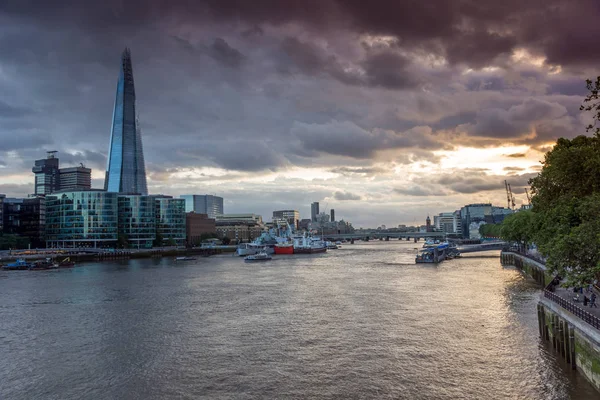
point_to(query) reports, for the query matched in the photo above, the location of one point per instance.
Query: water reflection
(363, 321)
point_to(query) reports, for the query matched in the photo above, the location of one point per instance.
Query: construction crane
(508, 196)
(528, 196)
(512, 197)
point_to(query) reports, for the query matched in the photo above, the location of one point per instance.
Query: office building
(314, 211)
(82, 219)
(448, 222)
(239, 227)
(332, 212)
(49, 178)
(26, 217)
(292, 217)
(137, 220)
(170, 219)
(125, 171)
(203, 204)
(47, 175)
(75, 179)
(474, 215)
(197, 225)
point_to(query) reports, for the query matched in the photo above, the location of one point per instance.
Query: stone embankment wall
(534, 269)
(574, 339)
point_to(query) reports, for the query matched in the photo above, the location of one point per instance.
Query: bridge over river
(387, 235)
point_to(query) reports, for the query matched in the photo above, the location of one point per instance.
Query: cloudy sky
(384, 110)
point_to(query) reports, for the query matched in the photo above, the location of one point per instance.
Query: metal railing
(577, 311)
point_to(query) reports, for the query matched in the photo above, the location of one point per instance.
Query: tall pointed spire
(125, 171)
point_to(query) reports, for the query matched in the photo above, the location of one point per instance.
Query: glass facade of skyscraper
(81, 219)
(170, 219)
(137, 220)
(203, 204)
(126, 171)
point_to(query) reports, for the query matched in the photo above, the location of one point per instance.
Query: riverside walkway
(565, 298)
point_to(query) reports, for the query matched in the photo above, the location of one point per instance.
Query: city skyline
(278, 107)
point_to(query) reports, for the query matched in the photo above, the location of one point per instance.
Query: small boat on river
(20, 264)
(186, 258)
(262, 256)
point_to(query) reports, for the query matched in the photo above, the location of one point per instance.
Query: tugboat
(43, 265)
(20, 264)
(262, 256)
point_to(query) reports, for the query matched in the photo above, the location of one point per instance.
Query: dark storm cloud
(87, 157)
(342, 196)
(10, 111)
(221, 51)
(389, 70)
(240, 155)
(345, 138)
(471, 181)
(24, 140)
(516, 121)
(464, 31)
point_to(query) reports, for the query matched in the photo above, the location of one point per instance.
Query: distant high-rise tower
(332, 212)
(125, 171)
(47, 174)
(314, 211)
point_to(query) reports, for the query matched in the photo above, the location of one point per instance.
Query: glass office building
(203, 204)
(125, 171)
(170, 219)
(81, 219)
(137, 220)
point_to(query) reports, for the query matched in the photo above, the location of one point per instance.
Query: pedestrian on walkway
(593, 301)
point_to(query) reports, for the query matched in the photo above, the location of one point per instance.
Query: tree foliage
(592, 103)
(518, 227)
(490, 230)
(566, 206)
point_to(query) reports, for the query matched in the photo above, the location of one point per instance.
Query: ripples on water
(360, 322)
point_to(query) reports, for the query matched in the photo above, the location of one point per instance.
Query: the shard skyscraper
(125, 171)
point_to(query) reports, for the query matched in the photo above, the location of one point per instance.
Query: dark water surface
(360, 322)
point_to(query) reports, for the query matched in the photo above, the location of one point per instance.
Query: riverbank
(81, 255)
(571, 328)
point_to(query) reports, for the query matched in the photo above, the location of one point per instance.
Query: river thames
(360, 322)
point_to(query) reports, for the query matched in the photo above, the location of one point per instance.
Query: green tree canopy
(518, 227)
(490, 230)
(566, 206)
